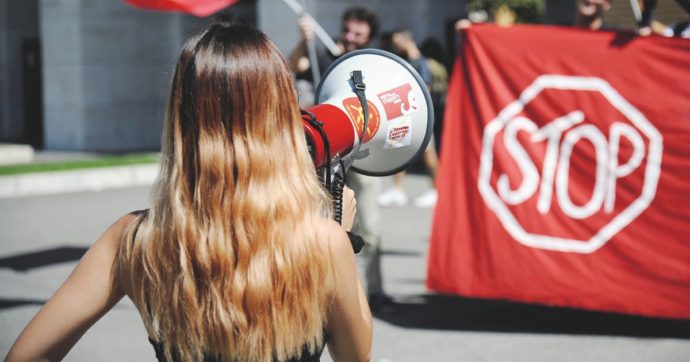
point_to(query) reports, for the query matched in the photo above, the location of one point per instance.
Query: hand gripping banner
(565, 171)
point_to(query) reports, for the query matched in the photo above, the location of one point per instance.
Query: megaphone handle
(336, 191)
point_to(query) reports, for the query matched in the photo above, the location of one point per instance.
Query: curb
(14, 153)
(94, 179)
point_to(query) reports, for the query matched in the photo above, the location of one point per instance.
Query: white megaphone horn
(401, 117)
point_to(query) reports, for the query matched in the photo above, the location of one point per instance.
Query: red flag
(199, 8)
(564, 171)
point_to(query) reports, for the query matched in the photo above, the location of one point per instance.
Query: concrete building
(88, 75)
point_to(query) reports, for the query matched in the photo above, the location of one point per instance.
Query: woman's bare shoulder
(115, 233)
(114, 238)
(127, 220)
(123, 224)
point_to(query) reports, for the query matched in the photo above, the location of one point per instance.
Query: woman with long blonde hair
(237, 258)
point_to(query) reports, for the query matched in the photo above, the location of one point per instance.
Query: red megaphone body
(336, 126)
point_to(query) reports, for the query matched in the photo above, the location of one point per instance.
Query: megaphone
(401, 118)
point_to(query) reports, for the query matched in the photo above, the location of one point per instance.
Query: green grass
(104, 161)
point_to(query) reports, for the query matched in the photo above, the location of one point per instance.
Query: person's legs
(428, 198)
(431, 161)
(367, 225)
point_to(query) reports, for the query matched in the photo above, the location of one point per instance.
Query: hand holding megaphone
(400, 115)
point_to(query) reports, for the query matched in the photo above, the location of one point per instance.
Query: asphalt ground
(42, 237)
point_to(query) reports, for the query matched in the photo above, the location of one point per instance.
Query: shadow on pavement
(404, 253)
(37, 259)
(445, 312)
(9, 303)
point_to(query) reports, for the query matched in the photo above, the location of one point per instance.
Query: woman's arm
(349, 317)
(87, 294)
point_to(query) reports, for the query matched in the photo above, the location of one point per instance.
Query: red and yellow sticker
(356, 113)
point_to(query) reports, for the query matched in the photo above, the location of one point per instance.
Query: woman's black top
(306, 356)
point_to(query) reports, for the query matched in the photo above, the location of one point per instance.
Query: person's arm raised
(349, 317)
(299, 59)
(87, 294)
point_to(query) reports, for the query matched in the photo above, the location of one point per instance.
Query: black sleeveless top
(306, 356)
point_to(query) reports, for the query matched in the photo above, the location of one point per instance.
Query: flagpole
(636, 10)
(311, 50)
(318, 30)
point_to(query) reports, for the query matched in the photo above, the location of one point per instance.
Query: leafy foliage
(526, 11)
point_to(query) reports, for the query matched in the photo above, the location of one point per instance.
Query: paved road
(42, 237)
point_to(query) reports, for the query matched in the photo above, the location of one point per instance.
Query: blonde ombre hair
(229, 262)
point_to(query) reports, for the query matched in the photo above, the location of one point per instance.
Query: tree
(526, 11)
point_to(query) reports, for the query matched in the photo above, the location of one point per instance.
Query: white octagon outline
(626, 216)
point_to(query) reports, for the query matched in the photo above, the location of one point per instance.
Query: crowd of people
(590, 14)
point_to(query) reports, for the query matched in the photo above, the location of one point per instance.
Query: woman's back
(228, 259)
(345, 299)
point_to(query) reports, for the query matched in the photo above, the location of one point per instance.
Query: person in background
(402, 43)
(436, 57)
(590, 14)
(647, 25)
(681, 29)
(359, 29)
(237, 258)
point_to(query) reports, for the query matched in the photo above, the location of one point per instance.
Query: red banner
(199, 8)
(565, 171)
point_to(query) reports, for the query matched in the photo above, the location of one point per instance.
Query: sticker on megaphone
(399, 134)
